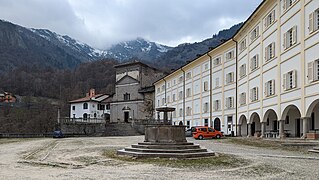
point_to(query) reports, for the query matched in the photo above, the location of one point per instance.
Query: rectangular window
(180, 112)
(242, 98)
(313, 71)
(216, 105)
(242, 45)
(229, 102)
(168, 85)
(216, 82)
(254, 94)
(206, 86)
(314, 21)
(254, 62)
(217, 61)
(270, 51)
(254, 34)
(188, 124)
(188, 111)
(168, 99)
(206, 107)
(287, 3)
(242, 70)
(270, 88)
(127, 97)
(180, 79)
(206, 67)
(180, 95)
(290, 80)
(229, 77)
(188, 92)
(73, 108)
(174, 97)
(163, 101)
(163, 87)
(290, 37)
(188, 75)
(229, 55)
(158, 90)
(270, 18)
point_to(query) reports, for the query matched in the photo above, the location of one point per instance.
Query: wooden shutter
(257, 61)
(273, 15)
(294, 78)
(284, 4)
(285, 41)
(273, 49)
(257, 31)
(251, 94)
(294, 35)
(284, 83)
(257, 93)
(266, 89)
(232, 76)
(267, 53)
(273, 87)
(311, 22)
(310, 72)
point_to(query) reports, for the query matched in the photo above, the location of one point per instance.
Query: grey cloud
(101, 23)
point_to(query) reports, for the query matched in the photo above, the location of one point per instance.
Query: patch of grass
(220, 160)
(264, 144)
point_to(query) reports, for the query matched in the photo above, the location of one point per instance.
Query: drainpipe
(184, 88)
(236, 86)
(210, 89)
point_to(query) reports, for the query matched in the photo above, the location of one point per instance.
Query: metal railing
(82, 120)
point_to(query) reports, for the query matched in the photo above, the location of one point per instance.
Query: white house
(91, 106)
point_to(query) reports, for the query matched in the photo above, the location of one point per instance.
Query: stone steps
(163, 144)
(166, 155)
(314, 150)
(193, 146)
(165, 150)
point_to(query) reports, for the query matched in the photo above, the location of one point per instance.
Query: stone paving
(81, 158)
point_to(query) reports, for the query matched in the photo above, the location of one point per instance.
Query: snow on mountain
(138, 48)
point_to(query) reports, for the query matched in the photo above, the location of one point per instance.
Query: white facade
(274, 85)
(91, 106)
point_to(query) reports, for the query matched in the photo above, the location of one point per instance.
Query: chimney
(92, 92)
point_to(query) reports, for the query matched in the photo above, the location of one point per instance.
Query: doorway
(298, 133)
(126, 116)
(253, 128)
(217, 124)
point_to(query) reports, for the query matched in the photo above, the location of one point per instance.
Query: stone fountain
(165, 141)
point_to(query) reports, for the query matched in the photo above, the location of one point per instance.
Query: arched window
(85, 116)
(85, 105)
(94, 115)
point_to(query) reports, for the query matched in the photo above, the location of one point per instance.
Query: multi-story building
(262, 81)
(134, 92)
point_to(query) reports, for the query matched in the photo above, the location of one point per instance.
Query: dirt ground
(82, 158)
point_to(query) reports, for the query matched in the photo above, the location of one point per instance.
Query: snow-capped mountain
(138, 48)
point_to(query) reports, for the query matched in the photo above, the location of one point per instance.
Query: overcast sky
(101, 23)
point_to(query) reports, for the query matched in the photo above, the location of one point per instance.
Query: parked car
(58, 134)
(204, 132)
(189, 133)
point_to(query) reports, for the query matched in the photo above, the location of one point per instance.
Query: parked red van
(201, 132)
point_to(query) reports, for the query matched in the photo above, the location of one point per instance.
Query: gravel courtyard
(82, 158)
